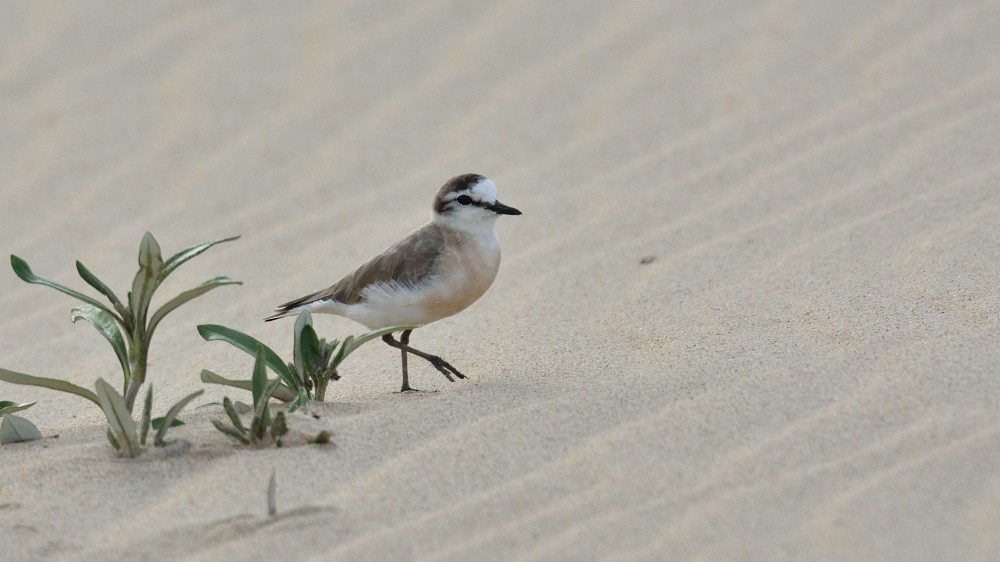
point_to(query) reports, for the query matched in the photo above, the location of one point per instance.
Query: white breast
(468, 269)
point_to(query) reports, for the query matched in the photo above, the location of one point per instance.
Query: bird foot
(408, 390)
(445, 367)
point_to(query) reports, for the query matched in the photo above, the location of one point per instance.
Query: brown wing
(406, 262)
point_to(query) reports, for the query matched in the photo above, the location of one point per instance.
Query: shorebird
(437, 271)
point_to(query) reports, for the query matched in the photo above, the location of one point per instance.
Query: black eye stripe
(466, 201)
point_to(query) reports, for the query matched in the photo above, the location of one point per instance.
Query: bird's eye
(464, 199)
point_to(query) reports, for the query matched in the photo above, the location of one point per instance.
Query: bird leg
(404, 346)
(404, 339)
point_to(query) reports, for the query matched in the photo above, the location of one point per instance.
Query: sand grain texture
(809, 369)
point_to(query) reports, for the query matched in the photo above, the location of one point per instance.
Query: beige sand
(809, 369)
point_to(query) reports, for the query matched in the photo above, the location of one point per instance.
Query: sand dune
(807, 369)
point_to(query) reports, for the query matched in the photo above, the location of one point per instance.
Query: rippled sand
(808, 368)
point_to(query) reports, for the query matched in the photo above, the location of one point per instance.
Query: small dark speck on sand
(647, 260)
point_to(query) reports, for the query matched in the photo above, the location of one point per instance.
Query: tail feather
(277, 314)
(291, 307)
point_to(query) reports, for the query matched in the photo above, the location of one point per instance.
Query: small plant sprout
(15, 428)
(123, 433)
(314, 365)
(261, 422)
(272, 496)
(127, 325)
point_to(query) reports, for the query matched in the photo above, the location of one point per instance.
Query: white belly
(467, 271)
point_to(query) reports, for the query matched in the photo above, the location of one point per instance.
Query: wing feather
(408, 263)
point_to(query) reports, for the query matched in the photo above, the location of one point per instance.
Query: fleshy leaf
(312, 359)
(179, 258)
(14, 429)
(23, 271)
(210, 332)
(7, 407)
(259, 380)
(157, 423)
(262, 413)
(301, 399)
(53, 384)
(119, 418)
(304, 320)
(113, 440)
(96, 283)
(186, 296)
(147, 279)
(234, 416)
(108, 326)
(168, 419)
(283, 393)
(147, 412)
(230, 432)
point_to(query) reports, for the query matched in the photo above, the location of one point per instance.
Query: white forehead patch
(485, 190)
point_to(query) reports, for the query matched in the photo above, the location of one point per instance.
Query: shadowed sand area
(808, 369)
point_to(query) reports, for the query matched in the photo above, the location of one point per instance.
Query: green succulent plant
(129, 327)
(315, 360)
(262, 423)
